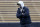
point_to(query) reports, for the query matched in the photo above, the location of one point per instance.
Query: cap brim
(18, 4)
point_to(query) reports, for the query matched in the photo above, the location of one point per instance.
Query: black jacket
(24, 19)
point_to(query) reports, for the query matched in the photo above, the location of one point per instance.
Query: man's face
(19, 6)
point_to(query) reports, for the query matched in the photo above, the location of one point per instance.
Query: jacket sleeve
(18, 14)
(26, 12)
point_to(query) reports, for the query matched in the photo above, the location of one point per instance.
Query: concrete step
(8, 10)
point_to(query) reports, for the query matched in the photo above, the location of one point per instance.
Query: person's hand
(22, 13)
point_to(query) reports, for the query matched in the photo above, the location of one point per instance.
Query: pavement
(34, 24)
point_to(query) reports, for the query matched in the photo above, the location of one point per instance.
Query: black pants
(26, 25)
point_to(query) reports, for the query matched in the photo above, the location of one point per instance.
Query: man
(23, 15)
